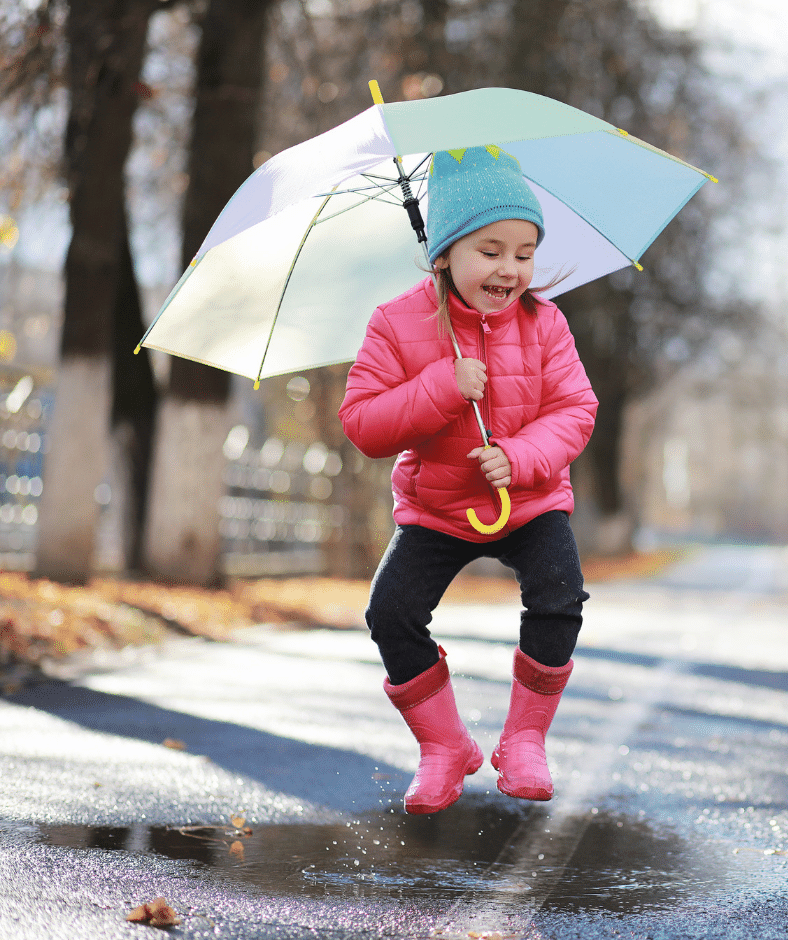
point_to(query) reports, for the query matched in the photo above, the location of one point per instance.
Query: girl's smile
(494, 265)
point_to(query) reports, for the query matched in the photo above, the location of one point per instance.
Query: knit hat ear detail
(459, 154)
(468, 189)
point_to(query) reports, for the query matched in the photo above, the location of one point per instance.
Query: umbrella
(316, 237)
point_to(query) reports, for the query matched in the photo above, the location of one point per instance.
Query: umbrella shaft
(482, 428)
(411, 204)
(458, 354)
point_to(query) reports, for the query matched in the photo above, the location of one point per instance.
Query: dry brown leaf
(41, 620)
(174, 744)
(139, 915)
(164, 916)
(157, 913)
(238, 821)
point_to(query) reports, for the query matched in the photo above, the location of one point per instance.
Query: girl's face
(494, 265)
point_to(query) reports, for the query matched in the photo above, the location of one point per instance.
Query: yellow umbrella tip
(374, 90)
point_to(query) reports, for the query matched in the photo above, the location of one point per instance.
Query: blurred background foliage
(127, 125)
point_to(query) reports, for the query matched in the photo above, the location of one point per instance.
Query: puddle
(384, 855)
(626, 867)
(618, 865)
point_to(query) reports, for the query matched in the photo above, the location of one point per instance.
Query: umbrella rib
(383, 191)
(663, 153)
(378, 195)
(285, 285)
(359, 189)
(380, 192)
(182, 280)
(333, 215)
(374, 176)
(375, 180)
(393, 184)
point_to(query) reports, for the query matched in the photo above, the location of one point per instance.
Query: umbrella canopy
(317, 237)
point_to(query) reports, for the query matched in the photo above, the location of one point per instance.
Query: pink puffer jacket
(402, 398)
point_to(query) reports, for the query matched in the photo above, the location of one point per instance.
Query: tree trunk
(182, 535)
(75, 464)
(106, 45)
(537, 63)
(133, 409)
(182, 543)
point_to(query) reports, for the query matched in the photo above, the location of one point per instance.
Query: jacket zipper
(485, 328)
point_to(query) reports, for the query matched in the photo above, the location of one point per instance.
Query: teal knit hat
(468, 189)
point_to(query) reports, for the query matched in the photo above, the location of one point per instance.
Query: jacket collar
(464, 316)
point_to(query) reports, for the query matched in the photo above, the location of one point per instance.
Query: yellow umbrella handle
(506, 508)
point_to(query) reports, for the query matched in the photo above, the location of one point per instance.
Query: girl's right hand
(471, 375)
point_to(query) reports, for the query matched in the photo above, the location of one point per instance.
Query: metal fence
(23, 411)
(277, 515)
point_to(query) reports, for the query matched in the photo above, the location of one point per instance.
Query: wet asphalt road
(669, 752)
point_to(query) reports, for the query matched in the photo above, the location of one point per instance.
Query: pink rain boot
(448, 752)
(520, 757)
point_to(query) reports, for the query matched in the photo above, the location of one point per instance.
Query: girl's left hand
(495, 465)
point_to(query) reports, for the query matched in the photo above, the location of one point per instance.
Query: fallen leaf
(139, 915)
(157, 913)
(238, 821)
(237, 849)
(163, 914)
(174, 744)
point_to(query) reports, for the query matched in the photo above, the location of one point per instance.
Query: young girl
(408, 394)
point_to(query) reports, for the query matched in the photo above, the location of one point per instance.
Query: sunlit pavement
(669, 754)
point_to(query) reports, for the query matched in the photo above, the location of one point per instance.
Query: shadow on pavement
(762, 678)
(318, 774)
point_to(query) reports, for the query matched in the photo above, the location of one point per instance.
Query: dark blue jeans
(420, 564)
